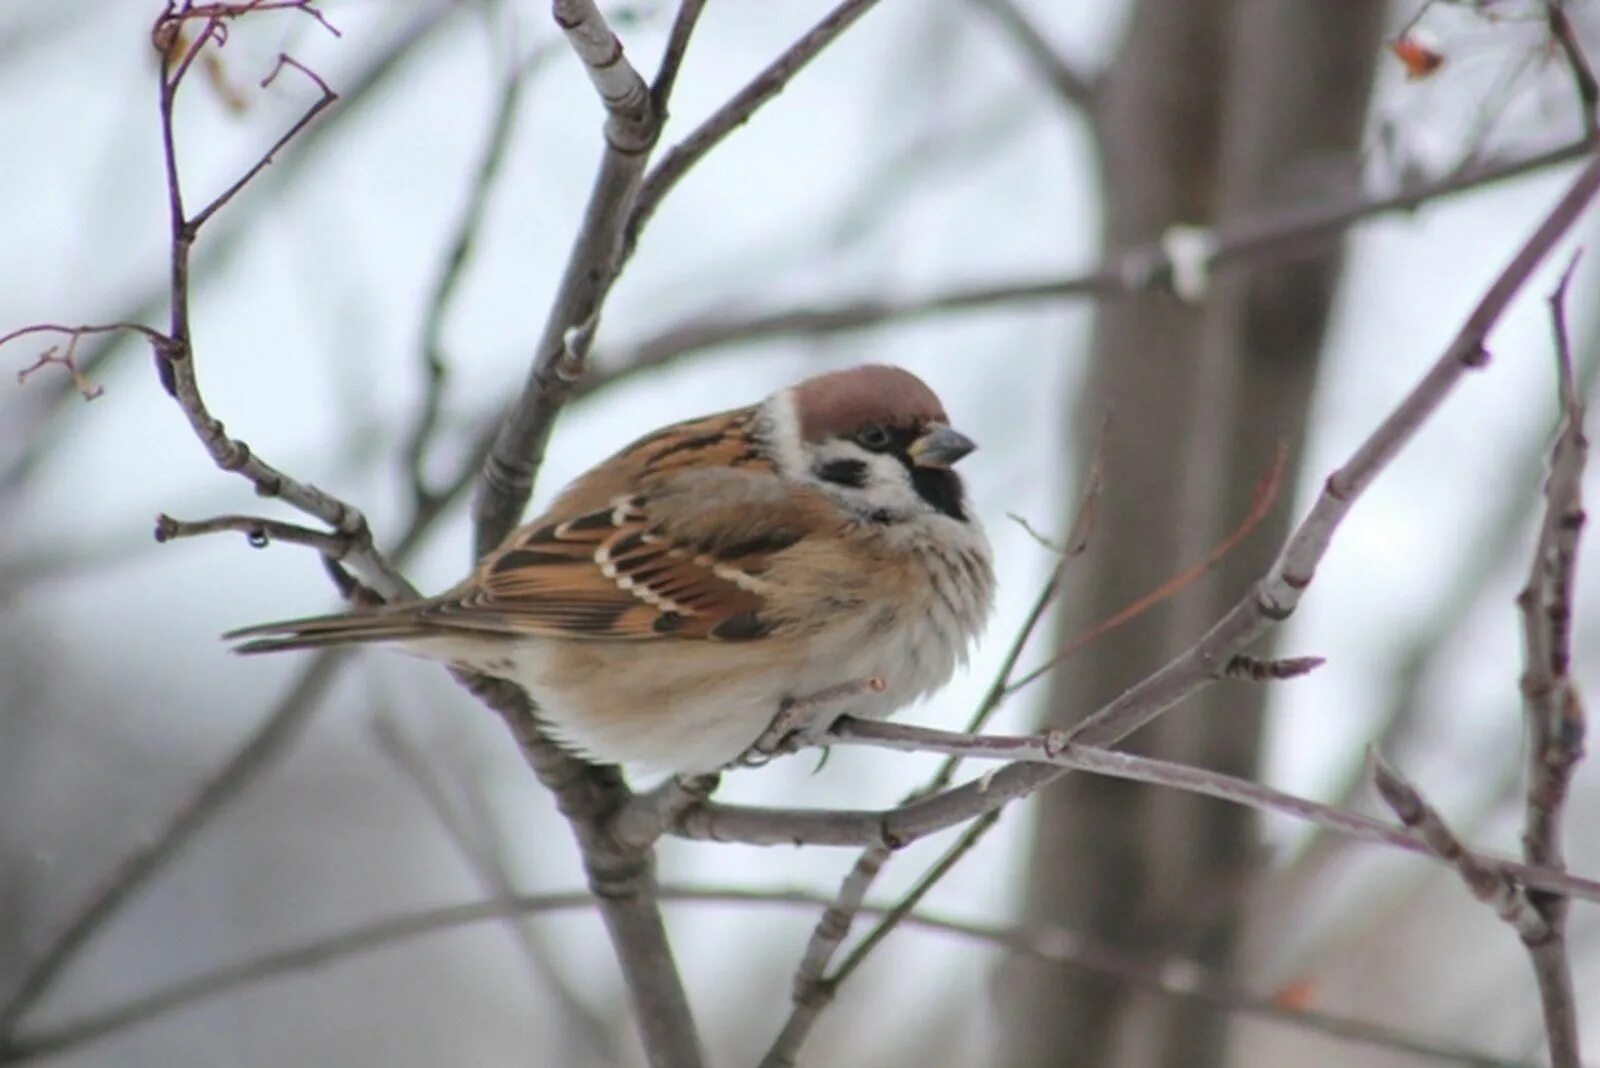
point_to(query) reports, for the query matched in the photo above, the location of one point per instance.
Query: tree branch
(904, 824)
(621, 876)
(260, 532)
(1552, 709)
(458, 256)
(1495, 888)
(276, 733)
(151, 854)
(678, 161)
(1171, 977)
(1272, 600)
(487, 863)
(561, 354)
(225, 236)
(1069, 85)
(1140, 269)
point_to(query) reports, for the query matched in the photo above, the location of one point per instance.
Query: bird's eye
(873, 437)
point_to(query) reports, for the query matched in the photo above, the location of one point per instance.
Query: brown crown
(845, 401)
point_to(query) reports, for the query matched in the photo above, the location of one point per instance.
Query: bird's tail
(316, 632)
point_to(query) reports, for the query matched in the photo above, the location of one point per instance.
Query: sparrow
(674, 599)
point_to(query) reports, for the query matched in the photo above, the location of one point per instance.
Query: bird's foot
(802, 722)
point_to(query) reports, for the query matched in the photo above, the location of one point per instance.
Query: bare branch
(813, 990)
(67, 361)
(619, 208)
(1276, 595)
(488, 867)
(259, 531)
(621, 876)
(631, 123)
(457, 257)
(672, 58)
(1167, 976)
(561, 355)
(1261, 243)
(269, 742)
(1552, 709)
(1489, 884)
(1266, 493)
(1071, 86)
(1425, 648)
(119, 887)
(224, 235)
(677, 162)
(1582, 73)
(307, 117)
(1540, 933)
(174, 351)
(899, 826)
(648, 816)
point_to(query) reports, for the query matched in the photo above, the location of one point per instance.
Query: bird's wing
(672, 538)
(682, 553)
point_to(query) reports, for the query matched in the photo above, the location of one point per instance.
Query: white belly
(696, 706)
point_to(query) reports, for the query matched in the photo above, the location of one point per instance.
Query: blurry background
(927, 150)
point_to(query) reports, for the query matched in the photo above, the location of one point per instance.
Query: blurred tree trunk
(1212, 112)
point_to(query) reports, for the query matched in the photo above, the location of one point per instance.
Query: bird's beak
(940, 447)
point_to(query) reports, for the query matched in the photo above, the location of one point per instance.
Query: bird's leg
(802, 721)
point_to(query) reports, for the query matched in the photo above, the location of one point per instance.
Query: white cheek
(887, 486)
(779, 426)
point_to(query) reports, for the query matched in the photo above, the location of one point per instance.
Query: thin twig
(488, 866)
(561, 354)
(260, 532)
(909, 822)
(87, 388)
(677, 161)
(1488, 883)
(1552, 709)
(174, 351)
(814, 991)
(1166, 976)
(1257, 244)
(458, 257)
(672, 57)
(1071, 86)
(225, 234)
(266, 745)
(1582, 73)
(1266, 493)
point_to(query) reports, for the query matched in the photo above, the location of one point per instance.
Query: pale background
(916, 153)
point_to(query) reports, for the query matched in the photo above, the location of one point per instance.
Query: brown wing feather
(667, 539)
(611, 573)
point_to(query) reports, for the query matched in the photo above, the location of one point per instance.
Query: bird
(677, 597)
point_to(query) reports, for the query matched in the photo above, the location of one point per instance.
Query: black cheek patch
(941, 488)
(852, 473)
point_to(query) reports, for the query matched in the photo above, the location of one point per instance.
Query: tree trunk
(1212, 112)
